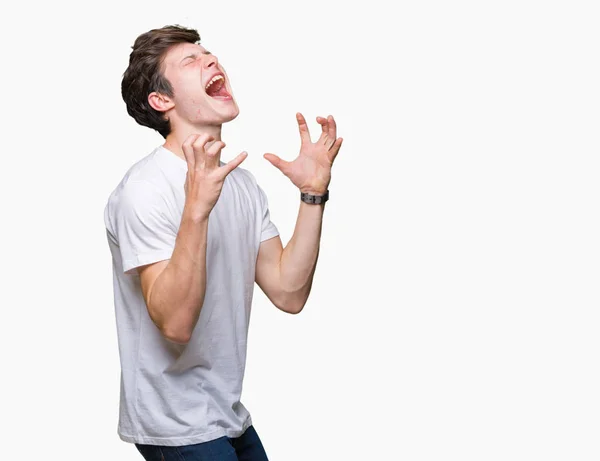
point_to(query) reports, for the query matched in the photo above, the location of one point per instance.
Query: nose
(210, 61)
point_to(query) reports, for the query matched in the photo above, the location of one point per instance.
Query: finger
(188, 150)
(186, 184)
(324, 128)
(212, 154)
(278, 163)
(233, 164)
(199, 148)
(215, 147)
(332, 153)
(332, 127)
(303, 127)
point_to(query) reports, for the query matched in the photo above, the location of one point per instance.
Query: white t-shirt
(174, 394)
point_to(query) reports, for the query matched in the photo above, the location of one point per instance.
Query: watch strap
(314, 199)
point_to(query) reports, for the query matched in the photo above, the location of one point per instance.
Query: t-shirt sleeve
(144, 232)
(268, 230)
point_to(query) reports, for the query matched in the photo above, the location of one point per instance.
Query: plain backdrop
(455, 309)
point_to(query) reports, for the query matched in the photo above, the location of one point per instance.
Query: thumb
(277, 162)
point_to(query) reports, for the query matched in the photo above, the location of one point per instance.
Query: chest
(233, 224)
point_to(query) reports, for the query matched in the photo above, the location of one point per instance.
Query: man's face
(202, 94)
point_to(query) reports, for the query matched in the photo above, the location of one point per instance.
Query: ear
(160, 102)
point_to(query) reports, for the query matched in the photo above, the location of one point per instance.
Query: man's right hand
(205, 177)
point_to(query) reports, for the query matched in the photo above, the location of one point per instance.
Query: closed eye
(192, 57)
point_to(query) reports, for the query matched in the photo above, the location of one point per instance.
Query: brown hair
(145, 75)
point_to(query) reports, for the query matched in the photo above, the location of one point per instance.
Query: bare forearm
(299, 257)
(291, 270)
(178, 292)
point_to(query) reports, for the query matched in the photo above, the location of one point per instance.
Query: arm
(286, 274)
(174, 289)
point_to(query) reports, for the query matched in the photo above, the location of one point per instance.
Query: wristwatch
(314, 199)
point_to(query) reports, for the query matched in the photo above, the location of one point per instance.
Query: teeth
(213, 80)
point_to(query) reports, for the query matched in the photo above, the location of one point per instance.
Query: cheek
(191, 100)
(191, 88)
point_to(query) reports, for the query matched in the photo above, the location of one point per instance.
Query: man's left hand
(311, 170)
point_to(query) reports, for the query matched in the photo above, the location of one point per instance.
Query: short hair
(145, 74)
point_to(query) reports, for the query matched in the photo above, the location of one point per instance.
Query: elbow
(179, 332)
(295, 311)
(178, 336)
(292, 305)
(176, 327)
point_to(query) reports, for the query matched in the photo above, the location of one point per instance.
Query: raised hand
(311, 170)
(205, 177)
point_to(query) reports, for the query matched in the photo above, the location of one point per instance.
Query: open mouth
(215, 88)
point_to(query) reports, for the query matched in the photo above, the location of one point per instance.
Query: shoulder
(138, 192)
(149, 169)
(132, 200)
(144, 193)
(141, 181)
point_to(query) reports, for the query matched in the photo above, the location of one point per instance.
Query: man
(189, 235)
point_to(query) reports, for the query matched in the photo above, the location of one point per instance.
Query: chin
(230, 113)
(215, 113)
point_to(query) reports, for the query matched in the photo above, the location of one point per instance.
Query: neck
(177, 137)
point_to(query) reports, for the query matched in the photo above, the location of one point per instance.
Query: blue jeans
(246, 447)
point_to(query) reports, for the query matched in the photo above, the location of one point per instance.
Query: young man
(189, 236)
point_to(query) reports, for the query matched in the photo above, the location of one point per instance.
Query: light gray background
(454, 314)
